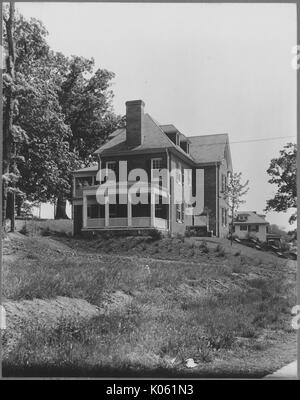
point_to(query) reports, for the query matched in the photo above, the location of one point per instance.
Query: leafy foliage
(62, 110)
(283, 174)
(233, 194)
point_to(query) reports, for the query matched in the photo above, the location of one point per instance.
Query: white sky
(206, 68)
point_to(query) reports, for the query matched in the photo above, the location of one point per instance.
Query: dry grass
(197, 304)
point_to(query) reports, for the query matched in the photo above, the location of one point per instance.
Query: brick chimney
(134, 122)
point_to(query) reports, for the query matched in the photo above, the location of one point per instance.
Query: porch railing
(136, 222)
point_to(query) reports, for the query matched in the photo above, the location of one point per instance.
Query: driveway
(287, 372)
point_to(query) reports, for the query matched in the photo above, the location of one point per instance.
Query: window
(224, 183)
(182, 212)
(160, 209)
(178, 212)
(254, 228)
(95, 211)
(117, 210)
(157, 163)
(111, 165)
(243, 227)
(224, 216)
(84, 181)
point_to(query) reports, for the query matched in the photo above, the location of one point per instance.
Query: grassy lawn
(228, 311)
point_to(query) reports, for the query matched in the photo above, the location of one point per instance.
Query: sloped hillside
(173, 299)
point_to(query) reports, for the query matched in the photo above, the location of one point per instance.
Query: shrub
(192, 253)
(203, 247)
(144, 247)
(220, 337)
(180, 237)
(204, 352)
(45, 231)
(155, 234)
(24, 230)
(220, 251)
(188, 233)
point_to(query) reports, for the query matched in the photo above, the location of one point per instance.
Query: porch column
(84, 210)
(129, 210)
(107, 211)
(152, 208)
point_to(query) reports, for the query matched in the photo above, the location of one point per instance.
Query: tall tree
(233, 195)
(12, 133)
(44, 158)
(283, 174)
(61, 112)
(86, 100)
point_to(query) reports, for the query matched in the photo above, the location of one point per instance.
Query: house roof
(154, 138)
(210, 148)
(203, 149)
(252, 218)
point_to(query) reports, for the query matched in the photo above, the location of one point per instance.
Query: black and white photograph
(149, 196)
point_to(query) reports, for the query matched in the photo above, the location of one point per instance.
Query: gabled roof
(153, 138)
(202, 150)
(210, 148)
(252, 218)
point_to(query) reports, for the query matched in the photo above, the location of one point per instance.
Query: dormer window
(243, 217)
(185, 146)
(174, 137)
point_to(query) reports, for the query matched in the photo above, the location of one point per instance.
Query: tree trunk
(13, 214)
(8, 147)
(19, 202)
(232, 225)
(61, 208)
(4, 203)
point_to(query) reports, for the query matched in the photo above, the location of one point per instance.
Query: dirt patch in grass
(45, 315)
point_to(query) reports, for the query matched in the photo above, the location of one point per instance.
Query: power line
(245, 141)
(263, 140)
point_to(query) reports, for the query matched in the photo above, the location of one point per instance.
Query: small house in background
(249, 223)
